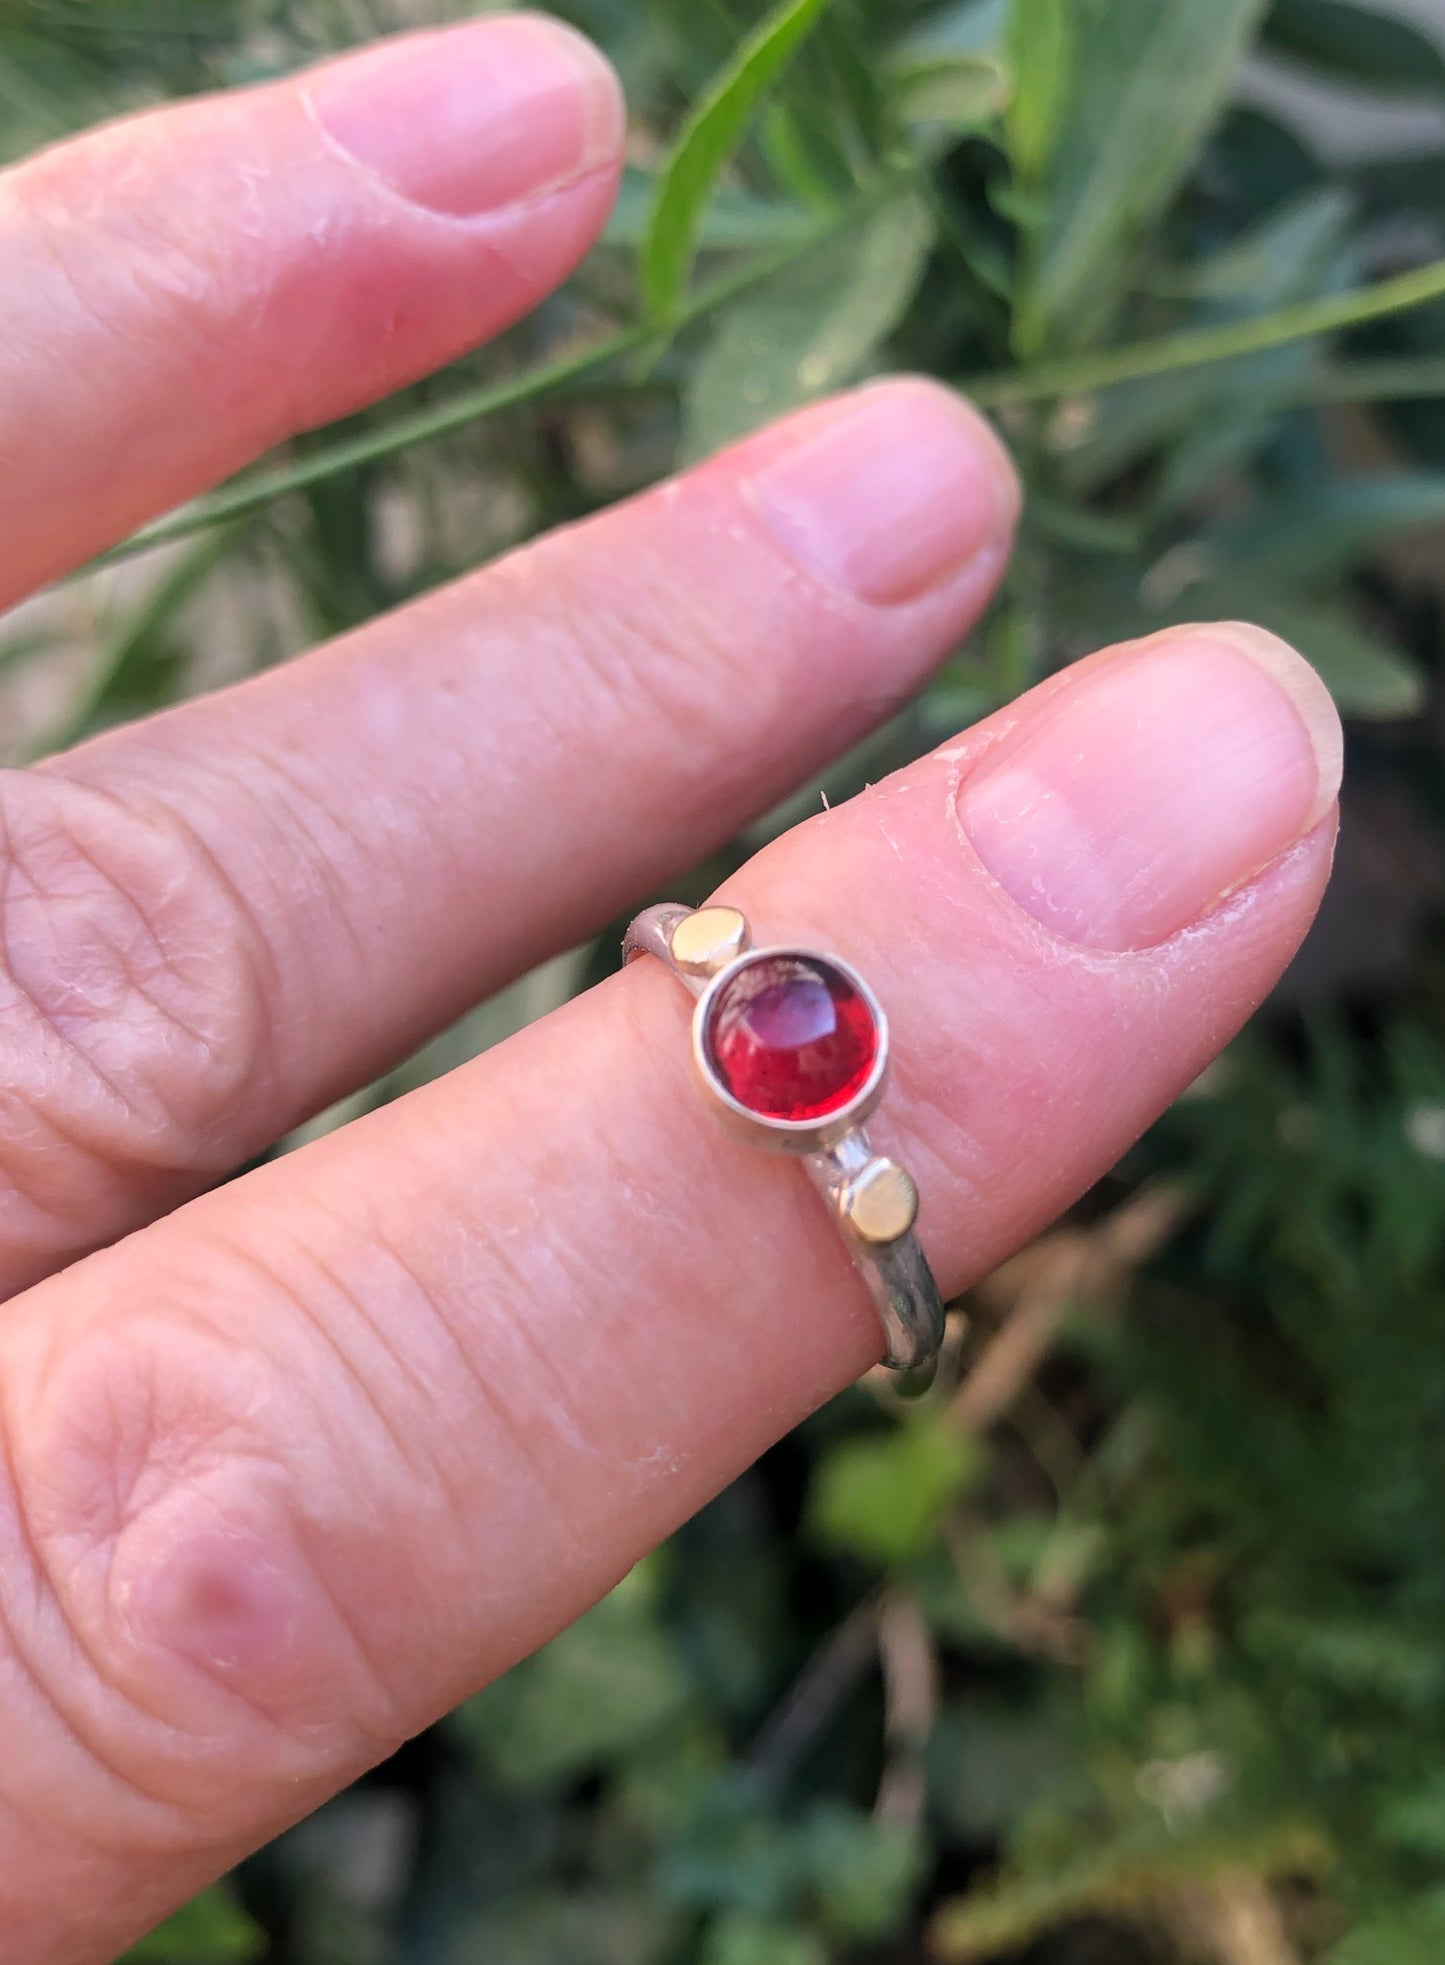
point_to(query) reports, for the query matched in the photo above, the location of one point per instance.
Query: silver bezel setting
(787, 1135)
(871, 1197)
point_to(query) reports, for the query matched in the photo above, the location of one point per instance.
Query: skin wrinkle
(324, 865)
(130, 971)
(113, 1640)
(163, 853)
(524, 1451)
(266, 982)
(75, 1208)
(25, 1656)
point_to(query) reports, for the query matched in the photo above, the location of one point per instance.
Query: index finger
(184, 289)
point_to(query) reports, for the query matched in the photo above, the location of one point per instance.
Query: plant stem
(1039, 383)
(1197, 348)
(248, 493)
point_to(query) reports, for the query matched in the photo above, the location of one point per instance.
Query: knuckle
(655, 663)
(157, 1582)
(130, 974)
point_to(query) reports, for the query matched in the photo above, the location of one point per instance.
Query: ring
(790, 1049)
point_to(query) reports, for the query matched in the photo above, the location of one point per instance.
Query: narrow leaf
(1209, 417)
(810, 331)
(1360, 46)
(733, 219)
(1111, 99)
(708, 138)
(968, 27)
(1039, 52)
(963, 92)
(136, 670)
(1311, 538)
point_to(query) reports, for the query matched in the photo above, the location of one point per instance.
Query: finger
(184, 289)
(301, 1465)
(220, 920)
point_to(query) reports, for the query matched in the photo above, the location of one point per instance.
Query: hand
(297, 1466)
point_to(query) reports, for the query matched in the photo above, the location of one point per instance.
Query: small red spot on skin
(791, 1038)
(223, 1603)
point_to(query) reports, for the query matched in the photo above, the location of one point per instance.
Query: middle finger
(241, 909)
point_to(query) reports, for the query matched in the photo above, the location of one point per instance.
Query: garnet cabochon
(791, 1037)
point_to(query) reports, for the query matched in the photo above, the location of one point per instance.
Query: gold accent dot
(881, 1203)
(704, 942)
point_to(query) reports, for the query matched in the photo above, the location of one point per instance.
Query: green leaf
(739, 1937)
(140, 668)
(1272, 260)
(733, 219)
(1214, 415)
(1362, 46)
(211, 1930)
(16, 649)
(811, 330)
(864, 1871)
(960, 92)
(1416, 1821)
(609, 1682)
(1310, 537)
(1412, 1935)
(708, 138)
(883, 1496)
(1367, 676)
(968, 27)
(1039, 50)
(1111, 99)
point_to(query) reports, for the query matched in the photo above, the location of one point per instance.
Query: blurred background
(1127, 1648)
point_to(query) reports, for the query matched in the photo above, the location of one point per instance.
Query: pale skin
(299, 1463)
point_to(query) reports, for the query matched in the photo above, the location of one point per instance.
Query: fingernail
(476, 117)
(890, 492)
(1150, 786)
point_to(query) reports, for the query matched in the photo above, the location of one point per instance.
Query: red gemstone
(791, 1037)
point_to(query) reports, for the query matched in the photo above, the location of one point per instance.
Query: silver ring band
(790, 1049)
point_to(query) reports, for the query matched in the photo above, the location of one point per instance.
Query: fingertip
(473, 119)
(890, 493)
(1132, 796)
(1305, 689)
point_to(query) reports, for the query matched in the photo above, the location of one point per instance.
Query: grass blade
(708, 138)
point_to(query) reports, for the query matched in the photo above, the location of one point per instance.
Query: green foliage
(1180, 1617)
(610, 1683)
(1111, 98)
(810, 330)
(708, 138)
(883, 1497)
(211, 1930)
(1353, 43)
